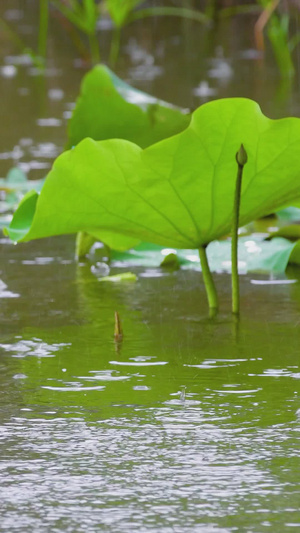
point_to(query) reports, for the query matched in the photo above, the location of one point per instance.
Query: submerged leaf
(178, 192)
(109, 108)
(16, 177)
(17, 182)
(289, 214)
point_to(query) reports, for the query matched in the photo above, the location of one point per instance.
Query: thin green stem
(115, 47)
(234, 244)
(212, 10)
(210, 288)
(241, 158)
(43, 28)
(94, 47)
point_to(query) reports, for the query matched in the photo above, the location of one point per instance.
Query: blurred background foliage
(85, 22)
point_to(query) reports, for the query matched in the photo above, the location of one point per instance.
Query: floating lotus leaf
(255, 255)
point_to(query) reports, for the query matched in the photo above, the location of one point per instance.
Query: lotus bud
(118, 327)
(241, 156)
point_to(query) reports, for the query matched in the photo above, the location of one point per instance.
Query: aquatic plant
(81, 19)
(277, 27)
(84, 16)
(256, 254)
(241, 159)
(274, 17)
(178, 192)
(123, 13)
(107, 107)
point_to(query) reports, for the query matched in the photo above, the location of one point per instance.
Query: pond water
(189, 424)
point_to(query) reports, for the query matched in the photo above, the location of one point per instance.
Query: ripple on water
(164, 469)
(23, 348)
(72, 387)
(5, 293)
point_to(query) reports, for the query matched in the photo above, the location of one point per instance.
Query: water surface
(189, 424)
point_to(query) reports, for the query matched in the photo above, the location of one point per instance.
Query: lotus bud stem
(241, 159)
(210, 287)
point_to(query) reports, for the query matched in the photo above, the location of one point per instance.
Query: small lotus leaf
(109, 108)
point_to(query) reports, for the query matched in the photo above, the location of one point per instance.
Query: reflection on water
(188, 424)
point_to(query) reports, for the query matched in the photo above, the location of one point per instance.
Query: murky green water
(189, 424)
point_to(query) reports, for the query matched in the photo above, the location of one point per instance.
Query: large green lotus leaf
(109, 108)
(177, 193)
